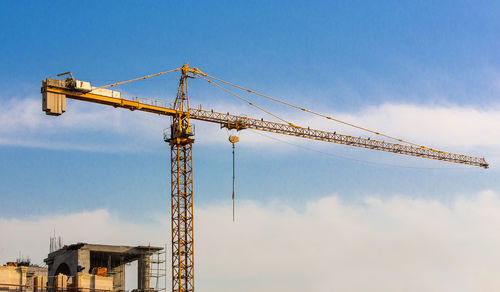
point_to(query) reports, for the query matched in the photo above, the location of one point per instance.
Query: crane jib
(259, 124)
(54, 90)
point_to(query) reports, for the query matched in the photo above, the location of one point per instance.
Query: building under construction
(22, 276)
(87, 267)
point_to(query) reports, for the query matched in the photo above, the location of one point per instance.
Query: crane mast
(180, 139)
(181, 158)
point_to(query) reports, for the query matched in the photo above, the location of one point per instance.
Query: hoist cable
(233, 181)
(247, 101)
(313, 112)
(140, 78)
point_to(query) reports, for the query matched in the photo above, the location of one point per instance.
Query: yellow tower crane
(180, 138)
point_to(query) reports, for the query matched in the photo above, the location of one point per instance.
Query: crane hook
(233, 140)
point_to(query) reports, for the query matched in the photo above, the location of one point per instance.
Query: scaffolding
(158, 271)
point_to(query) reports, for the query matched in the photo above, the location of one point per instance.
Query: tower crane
(181, 139)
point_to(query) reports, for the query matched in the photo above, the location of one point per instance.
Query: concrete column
(118, 273)
(82, 260)
(144, 272)
(22, 277)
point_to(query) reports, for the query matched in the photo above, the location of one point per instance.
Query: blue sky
(428, 72)
(331, 56)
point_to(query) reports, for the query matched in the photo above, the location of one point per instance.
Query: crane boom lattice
(238, 122)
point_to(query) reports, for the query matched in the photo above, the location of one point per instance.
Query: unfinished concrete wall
(20, 278)
(69, 258)
(39, 283)
(86, 282)
(14, 276)
(60, 282)
(32, 273)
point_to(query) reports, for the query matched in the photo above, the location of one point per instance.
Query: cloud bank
(397, 244)
(90, 127)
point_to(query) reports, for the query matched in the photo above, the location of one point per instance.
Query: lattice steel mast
(181, 155)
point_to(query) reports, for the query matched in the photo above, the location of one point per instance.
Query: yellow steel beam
(112, 101)
(238, 122)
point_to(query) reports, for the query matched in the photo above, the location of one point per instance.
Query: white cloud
(397, 244)
(83, 128)
(457, 129)
(453, 126)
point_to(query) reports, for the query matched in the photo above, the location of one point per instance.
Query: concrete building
(25, 278)
(82, 259)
